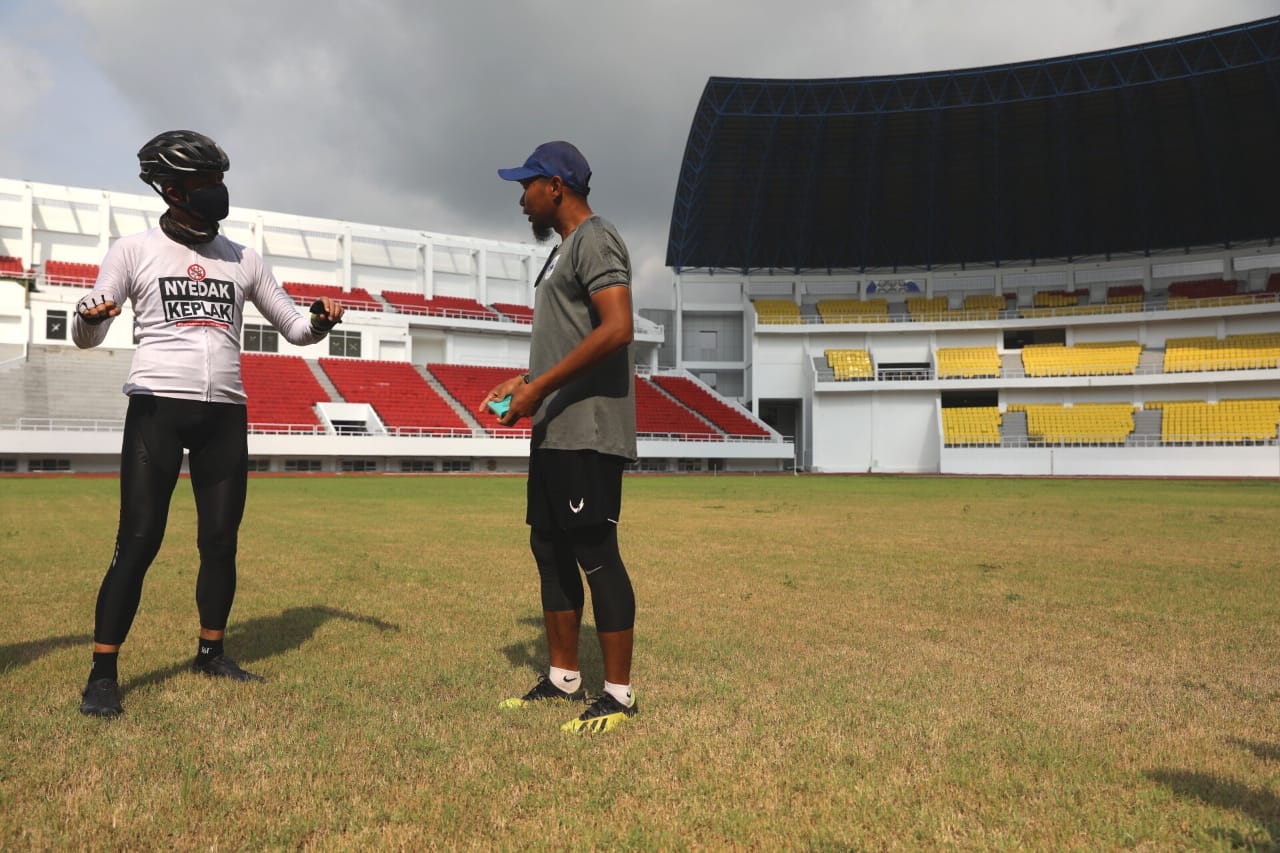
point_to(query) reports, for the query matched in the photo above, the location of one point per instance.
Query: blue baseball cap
(554, 159)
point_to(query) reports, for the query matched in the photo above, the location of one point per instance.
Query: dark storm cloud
(398, 112)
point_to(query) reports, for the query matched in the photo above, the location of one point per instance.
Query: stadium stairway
(1013, 428)
(1011, 363)
(728, 418)
(1147, 424)
(65, 382)
(325, 382)
(463, 412)
(825, 371)
(701, 418)
(1151, 361)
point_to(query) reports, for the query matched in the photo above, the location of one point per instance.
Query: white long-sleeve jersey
(188, 304)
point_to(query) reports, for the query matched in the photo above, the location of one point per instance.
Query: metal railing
(960, 315)
(930, 374)
(1132, 440)
(27, 424)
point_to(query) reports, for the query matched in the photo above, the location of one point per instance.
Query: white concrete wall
(876, 432)
(1114, 461)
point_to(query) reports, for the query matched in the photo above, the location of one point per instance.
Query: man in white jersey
(579, 395)
(187, 285)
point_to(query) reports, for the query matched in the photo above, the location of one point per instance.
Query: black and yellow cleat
(545, 691)
(604, 715)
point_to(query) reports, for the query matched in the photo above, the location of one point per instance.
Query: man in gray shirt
(580, 397)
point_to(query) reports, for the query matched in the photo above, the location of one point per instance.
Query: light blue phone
(499, 407)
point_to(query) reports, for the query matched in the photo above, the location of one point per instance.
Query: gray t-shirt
(597, 410)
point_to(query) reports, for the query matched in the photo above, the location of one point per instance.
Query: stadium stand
(776, 312)
(440, 306)
(66, 384)
(1125, 294)
(967, 362)
(401, 397)
(927, 307)
(1084, 359)
(1231, 421)
(356, 299)
(980, 306)
(468, 384)
(984, 302)
(731, 421)
(516, 313)
(282, 392)
(658, 414)
(1234, 352)
(1205, 288)
(971, 425)
(70, 274)
(850, 363)
(10, 265)
(1058, 298)
(1273, 283)
(1084, 423)
(853, 310)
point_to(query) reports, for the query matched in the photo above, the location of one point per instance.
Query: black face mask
(210, 204)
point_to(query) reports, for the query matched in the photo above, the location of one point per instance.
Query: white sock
(621, 692)
(567, 680)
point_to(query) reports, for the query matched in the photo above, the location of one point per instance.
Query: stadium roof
(1167, 145)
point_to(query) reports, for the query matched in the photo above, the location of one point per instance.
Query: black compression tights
(559, 553)
(156, 430)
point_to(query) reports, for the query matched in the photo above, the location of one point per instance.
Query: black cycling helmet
(176, 153)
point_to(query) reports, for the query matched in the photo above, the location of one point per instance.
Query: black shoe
(223, 667)
(101, 698)
(544, 691)
(605, 714)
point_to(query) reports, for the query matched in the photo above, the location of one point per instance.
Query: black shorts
(573, 488)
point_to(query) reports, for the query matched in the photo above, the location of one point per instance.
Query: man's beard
(542, 233)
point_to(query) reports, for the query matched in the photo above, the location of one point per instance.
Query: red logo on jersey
(195, 272)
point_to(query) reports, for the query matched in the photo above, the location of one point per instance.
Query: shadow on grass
(265, 637)
(532, 654)
(1256, 804)
(1264, 751)
(15, 655)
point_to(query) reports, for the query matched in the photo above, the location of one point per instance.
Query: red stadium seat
(355, 299)
(282, 391)
(468, 385)
(1205, 288)
(401, 397)
(439, 306)
(517, 313)
(711, 407)
(70, 274)
(658, 414)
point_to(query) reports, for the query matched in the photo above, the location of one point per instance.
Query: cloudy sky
(397, 112)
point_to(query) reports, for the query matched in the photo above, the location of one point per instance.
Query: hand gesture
(524, 400)
(93, 309)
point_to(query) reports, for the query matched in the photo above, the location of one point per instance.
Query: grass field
(822, 663)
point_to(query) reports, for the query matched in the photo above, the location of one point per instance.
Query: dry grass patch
(822, 663)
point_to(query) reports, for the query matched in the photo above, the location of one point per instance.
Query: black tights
(156, 429)
(559, 553)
